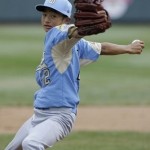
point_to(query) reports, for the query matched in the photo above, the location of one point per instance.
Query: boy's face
(51, 19)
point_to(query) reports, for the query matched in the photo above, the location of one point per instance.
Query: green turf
(112, 80)
(97, 141)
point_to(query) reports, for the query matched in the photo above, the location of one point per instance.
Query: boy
(55, 103)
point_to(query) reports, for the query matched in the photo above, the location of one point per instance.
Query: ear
(67, 20)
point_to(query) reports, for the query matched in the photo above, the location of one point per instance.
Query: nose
(47, 19)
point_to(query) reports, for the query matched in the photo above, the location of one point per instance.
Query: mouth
(47, 27)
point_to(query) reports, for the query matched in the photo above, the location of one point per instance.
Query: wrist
(73, 32)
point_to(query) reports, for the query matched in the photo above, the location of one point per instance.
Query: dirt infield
(89, 118)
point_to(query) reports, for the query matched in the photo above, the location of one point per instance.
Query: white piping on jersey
(62, 54)
(64, 27)
(41, 66)
(84, 62)
(96, 46)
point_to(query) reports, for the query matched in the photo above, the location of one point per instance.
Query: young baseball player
(56, 101)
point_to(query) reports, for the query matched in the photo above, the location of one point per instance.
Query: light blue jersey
(59, 70)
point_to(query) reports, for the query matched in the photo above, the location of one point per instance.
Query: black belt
(42, 108)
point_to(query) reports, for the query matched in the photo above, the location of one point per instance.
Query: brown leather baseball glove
(91, 17)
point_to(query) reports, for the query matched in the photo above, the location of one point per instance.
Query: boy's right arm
(115, 49)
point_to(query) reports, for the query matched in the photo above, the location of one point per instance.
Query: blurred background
(130, 11)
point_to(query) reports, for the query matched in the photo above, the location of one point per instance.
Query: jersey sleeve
(58, 37)
(88, 51)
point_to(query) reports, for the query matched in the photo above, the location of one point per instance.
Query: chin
(46, 30)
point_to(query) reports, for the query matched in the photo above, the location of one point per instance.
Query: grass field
(113, 80)
(97, 141)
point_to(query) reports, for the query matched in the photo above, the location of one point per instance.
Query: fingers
(142, 44)
(137, 46)
(138, 43)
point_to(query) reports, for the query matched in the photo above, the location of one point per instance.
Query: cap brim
(41, 7)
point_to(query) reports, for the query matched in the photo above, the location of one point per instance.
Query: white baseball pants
(43, 129)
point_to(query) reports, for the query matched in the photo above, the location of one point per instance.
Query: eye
(44, 14)
(53, 16)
